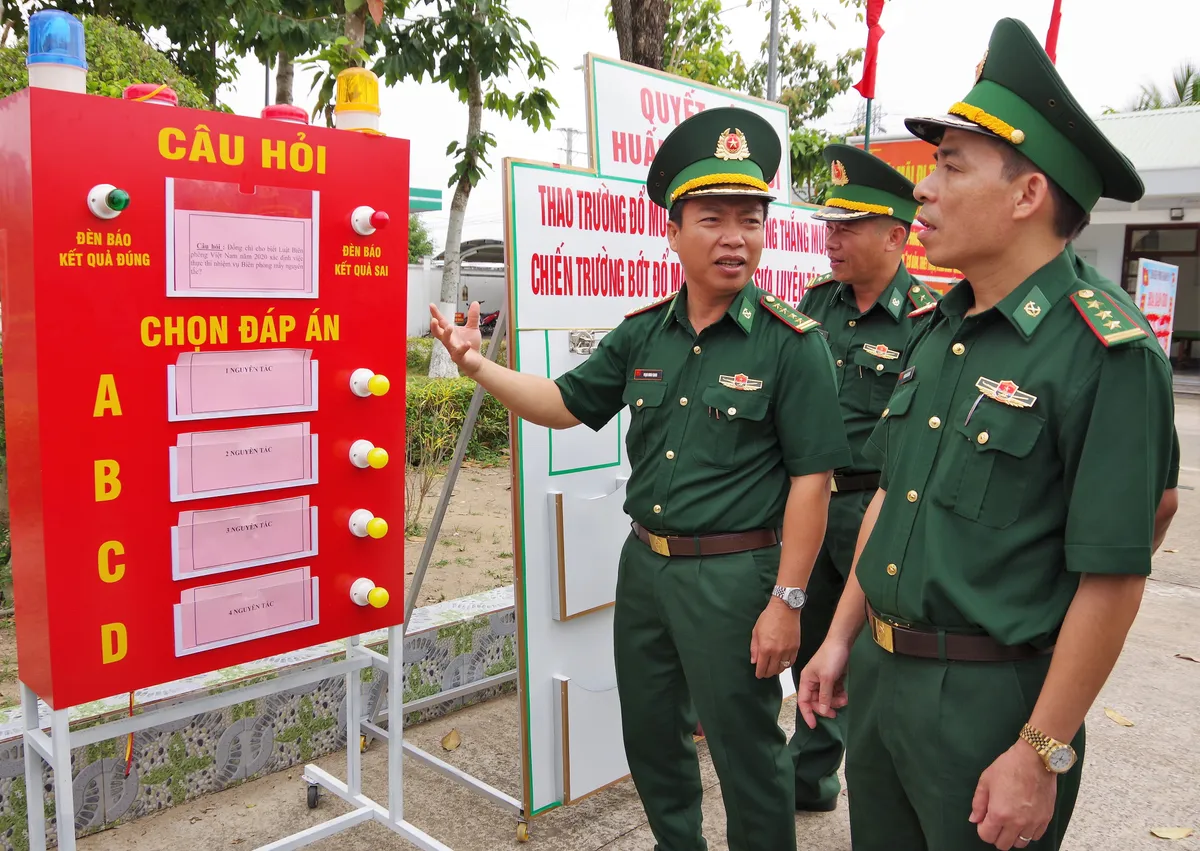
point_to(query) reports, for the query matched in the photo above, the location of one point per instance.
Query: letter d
(114, 642)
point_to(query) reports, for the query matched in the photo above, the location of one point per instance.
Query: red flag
(1052, 33)
(866, 86)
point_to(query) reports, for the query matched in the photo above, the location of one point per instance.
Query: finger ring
(1024, 839)
(786, 663)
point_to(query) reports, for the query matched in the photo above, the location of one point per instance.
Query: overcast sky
(926, 62)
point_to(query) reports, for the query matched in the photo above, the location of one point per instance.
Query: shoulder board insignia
(787, 314)
(823, 279)
(648, 307)
(1111, 325)
(922, 297)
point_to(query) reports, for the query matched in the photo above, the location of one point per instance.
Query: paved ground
(1135, 778)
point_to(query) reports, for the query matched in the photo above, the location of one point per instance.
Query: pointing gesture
(463, 343)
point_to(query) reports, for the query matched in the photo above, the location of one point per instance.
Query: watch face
(1061, 759)
(795, 598)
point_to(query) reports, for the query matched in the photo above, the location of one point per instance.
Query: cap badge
(840, 178)
(979, 67)
(732, 145)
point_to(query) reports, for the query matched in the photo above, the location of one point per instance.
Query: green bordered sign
(424, 200)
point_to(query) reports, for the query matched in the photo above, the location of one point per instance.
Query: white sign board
(1156, 284)
(633, 109)
(583, 248)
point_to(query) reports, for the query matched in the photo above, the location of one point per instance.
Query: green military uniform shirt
(719, 420)
(1022, 447)
(867, 347)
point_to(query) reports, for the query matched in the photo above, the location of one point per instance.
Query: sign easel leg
(64, 791)
(34, 797)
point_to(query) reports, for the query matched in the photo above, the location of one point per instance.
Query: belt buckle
(659, 544)
(833, 484)
(881, 631)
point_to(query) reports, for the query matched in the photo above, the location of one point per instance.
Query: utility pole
(570, 133)
(773, 54)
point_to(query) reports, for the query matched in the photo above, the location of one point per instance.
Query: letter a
(106, 397)
(114, 642)
(108, 486)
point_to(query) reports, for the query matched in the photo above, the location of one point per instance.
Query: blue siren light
(56, 38)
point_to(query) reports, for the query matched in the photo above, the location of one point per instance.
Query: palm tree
(1184, 91)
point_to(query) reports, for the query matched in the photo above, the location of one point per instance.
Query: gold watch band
(1046, 746)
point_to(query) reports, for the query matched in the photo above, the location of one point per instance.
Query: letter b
(108, 486)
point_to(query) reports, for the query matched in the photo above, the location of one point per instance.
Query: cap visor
(840, 214)
(931, 130)
(727, 189)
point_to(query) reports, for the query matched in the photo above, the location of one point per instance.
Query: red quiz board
(201, 315)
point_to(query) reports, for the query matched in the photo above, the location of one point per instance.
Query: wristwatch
(1057, 756)
(794, 597)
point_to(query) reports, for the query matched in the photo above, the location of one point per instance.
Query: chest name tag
(647, 375)
(907, 375)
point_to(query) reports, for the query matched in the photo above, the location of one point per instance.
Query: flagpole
(867, 132)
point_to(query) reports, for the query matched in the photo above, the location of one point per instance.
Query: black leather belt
(958, 647)
(707, 545)
(860, 482)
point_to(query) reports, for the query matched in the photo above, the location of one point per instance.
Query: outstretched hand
(463, 343)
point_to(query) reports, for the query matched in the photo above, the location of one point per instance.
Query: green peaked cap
(719, 151)
(863, 186)
(1020, 98)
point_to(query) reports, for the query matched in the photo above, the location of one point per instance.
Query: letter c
(110, 572)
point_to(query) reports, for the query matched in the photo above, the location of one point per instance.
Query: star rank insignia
(840, 177)
(1111, 325)
(922, 298)
(732, 145)
(880, 350)
(784, 312)
(740, 382)
(1005, 391)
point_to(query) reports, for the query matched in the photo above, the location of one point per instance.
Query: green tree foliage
(1184, 91)
(199, 31)
(470, 46)
(117, 57)
(695, 47)
(420, 243)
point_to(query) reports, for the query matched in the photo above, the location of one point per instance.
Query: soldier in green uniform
(867, 306)
(733, 439)
(1023, 453)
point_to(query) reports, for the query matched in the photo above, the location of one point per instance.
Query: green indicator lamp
(107, 201)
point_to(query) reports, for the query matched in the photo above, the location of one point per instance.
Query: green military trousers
(817, 753)
(921, 732)
(682, 629)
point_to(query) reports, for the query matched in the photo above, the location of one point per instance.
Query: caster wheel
(313, 793)
(522, 832)
(362, 744)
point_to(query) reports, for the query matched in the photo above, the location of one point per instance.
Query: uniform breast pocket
(991, 461)
(875, 378)
(735, 426)
(644, 399)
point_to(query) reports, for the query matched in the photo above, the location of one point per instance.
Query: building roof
(1156, 139)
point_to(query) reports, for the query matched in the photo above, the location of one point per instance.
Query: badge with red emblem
(840, 178)
(1005, 391)
(881, 351)
(732, 145)
(740, 382)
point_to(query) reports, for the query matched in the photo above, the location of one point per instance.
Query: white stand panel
(588, 717)
(586, 576)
